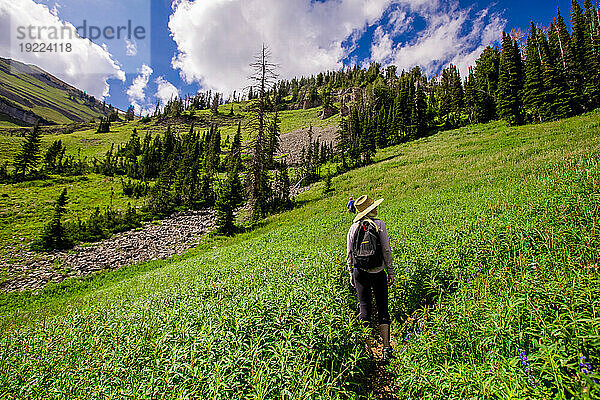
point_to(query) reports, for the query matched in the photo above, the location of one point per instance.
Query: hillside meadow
(25, 207)
(496, 243)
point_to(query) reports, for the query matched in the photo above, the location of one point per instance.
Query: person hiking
(369, 258)
(350, 206)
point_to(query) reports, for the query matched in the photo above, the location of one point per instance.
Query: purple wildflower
(527, 370)
(586, 367)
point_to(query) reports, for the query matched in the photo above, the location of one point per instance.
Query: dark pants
(366, 284)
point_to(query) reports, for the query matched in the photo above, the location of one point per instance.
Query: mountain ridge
(29, 95)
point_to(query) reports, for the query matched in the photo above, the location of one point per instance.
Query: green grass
(88, 143)
(26, 207)
(269, 314)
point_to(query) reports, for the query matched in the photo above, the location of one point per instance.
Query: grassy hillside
(30, 89)
(24, 207)
(87, 143)
(496, 243)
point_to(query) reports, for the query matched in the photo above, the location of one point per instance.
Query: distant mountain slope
(29, 94)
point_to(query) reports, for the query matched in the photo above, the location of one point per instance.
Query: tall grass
(496, 245)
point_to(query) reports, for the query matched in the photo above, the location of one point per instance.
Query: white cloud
(166, 90)
(87, 66)
(451, 35)
(137, 90)
(131, 48)
(217, 39)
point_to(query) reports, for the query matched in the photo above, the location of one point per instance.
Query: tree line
(549, 75)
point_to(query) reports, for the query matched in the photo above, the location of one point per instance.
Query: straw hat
(364, 205)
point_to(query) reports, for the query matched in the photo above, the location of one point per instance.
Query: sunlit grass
(496, 247)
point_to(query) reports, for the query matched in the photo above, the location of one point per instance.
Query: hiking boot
(386, 354)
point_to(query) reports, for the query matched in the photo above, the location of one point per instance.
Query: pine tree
(162, 200)
(510, 82)
(213, 153)
(487, 71)
(215, 104)
(343, 139)
(281, 198)
(234, 158)
(419, 116)
(451, 97)
(28, 157)
(592, 17)
(103, 126)
(592, 55)
(168, 146)
(258, 123)
(556, 95)
(562, 43)
(130, 114)
(327, 187)
(273, 133)
(54, 235)
(473, 104)
(533, 91)
(53, 158)
(578, 47)
(227, 200)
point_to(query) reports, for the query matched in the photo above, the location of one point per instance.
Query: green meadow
(25, 207)
(496, 243)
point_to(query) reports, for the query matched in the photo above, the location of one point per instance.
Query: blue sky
(208, 44)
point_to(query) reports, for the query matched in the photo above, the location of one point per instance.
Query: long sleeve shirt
(385, 246)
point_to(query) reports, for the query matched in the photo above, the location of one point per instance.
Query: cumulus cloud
(452, 35)
(87, 66)
(137, 90)
(217, 39)
(165, 90)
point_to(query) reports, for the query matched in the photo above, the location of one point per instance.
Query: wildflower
(407, 338)
(527, 370)
(586, 367)
(402, 350)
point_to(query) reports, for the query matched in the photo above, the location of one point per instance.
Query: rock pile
(169, 237)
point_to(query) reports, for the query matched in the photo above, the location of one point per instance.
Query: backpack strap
(372, 222)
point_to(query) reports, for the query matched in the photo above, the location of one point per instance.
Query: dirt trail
(380, 380)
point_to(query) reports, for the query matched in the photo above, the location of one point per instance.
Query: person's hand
(352, 280)
(390, 280)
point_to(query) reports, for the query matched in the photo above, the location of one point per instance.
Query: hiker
(369, 257)
(350, 206)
